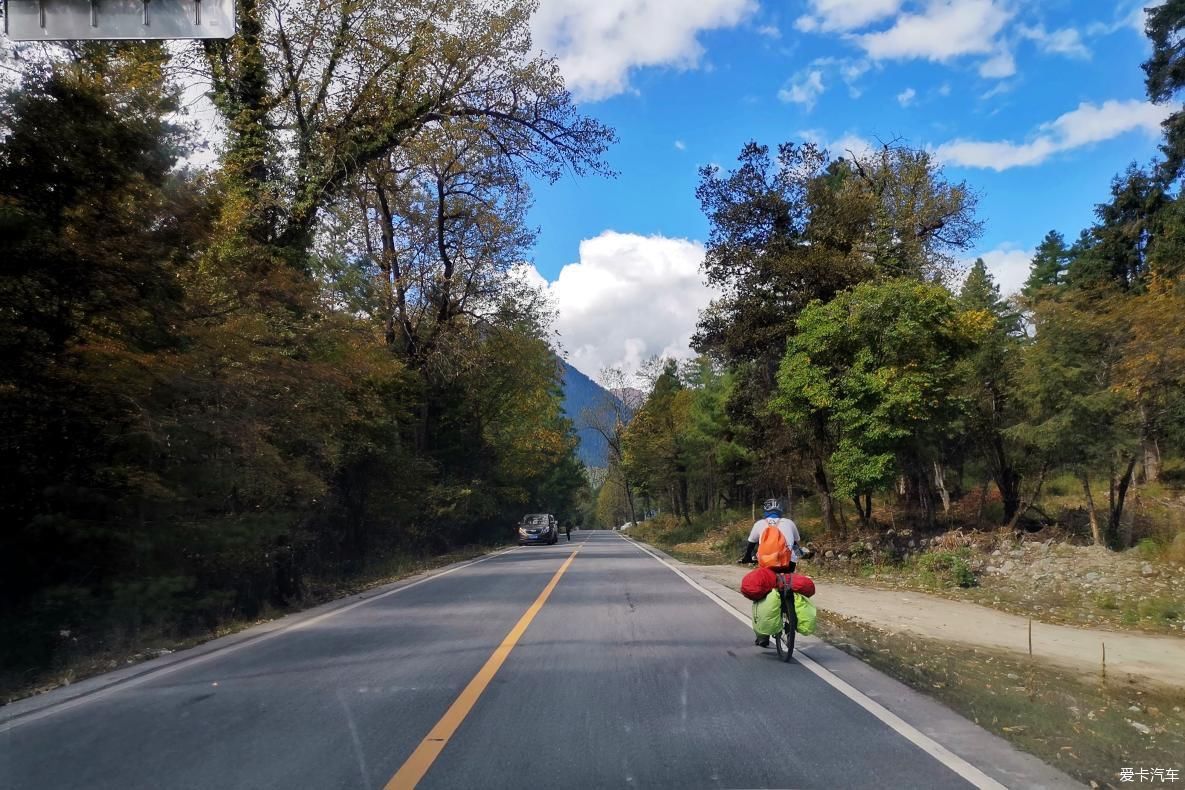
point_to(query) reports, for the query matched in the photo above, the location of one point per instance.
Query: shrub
(1172, 470)
(1149, 548)
(1176, 550)
(948, 568)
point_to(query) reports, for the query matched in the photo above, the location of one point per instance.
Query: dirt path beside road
(1159, 659)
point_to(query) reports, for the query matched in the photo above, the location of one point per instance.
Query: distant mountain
(582, 393)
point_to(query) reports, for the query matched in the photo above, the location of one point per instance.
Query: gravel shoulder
(1156, 659)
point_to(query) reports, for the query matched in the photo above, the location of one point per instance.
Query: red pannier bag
(801, 584)
(757, 584)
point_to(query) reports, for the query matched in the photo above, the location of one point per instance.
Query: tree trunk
(1096, 534)
(1024, 506)
(982, 500)
(940, 484)
(863, 505)
(823, 489)
(1150, 449)
(1004, 474)
(926, 499)
(1117, 536)
(684, 494)
(629, 498)
(822, 485)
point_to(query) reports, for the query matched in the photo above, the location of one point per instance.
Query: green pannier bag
(807, 614)
(767, 614)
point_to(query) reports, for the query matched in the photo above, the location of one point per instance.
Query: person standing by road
(568, 530)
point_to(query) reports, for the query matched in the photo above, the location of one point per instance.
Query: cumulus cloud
(628, 298)
(998, 66)
(847, 145)
(1087, 124)
(845, 15)
(850, 145)
(1008, 264)
(1066, 42)
(680, 145)
(804, 89)
(945, 29)
(769, 31)
(850, 70)
(598, 44)
(906, 97)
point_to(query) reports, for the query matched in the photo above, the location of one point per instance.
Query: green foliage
(879, 362)
(948, 568)
(1049, 264)
(1165, 76)
(206, 414)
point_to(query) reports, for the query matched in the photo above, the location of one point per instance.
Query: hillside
(581, 393)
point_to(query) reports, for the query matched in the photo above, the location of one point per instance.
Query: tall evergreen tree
(1048, 267)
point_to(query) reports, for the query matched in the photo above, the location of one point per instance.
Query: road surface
(585, 664)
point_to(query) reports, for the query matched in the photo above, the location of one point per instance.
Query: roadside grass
(122, 649)
(1088, 728)
(710, 539)
(951, 574)
(715, 538)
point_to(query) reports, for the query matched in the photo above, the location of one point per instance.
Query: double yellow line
(412, 771)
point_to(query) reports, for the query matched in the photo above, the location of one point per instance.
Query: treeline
(222, 385)
(846, 358)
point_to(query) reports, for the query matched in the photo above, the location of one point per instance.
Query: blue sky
(1035, 104)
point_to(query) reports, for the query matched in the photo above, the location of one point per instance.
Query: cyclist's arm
(751, 549)
(750, 552)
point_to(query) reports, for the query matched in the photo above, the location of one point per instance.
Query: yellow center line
(412, 771)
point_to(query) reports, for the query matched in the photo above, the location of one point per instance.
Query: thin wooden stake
(1030, 637)
(1104, 660)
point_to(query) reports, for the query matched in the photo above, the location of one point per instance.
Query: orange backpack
(772, 551)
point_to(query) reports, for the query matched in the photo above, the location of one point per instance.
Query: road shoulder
(991, 754)
(28, 708)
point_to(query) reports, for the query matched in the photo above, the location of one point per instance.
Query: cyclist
(773, 519)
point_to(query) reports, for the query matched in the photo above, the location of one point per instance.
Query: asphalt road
(626, 676)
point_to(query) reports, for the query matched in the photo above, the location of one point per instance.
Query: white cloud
(769, 31)
(1066, 42)
(851, 145)
(680, 145)
(944, 89)
(847, 146)
(906, 97)
(999, 89)
(1129, 17)
(945, 29)
(845, 15)
(598, 44)
(1085, 125)
(998, 66)
(850, 70)
(1008, 265)
(803, 89)
(629, 297)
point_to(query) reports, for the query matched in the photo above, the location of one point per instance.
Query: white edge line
(924, 742)
(120, 685)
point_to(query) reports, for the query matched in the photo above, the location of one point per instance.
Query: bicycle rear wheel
(789, 627)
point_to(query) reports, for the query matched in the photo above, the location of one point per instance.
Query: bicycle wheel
(789, 628)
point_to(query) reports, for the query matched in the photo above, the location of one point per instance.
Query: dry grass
(1089, 729)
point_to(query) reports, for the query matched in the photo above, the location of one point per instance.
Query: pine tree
(1049, 264)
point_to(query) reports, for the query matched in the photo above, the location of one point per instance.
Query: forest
(854, 367)
(249, 360)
